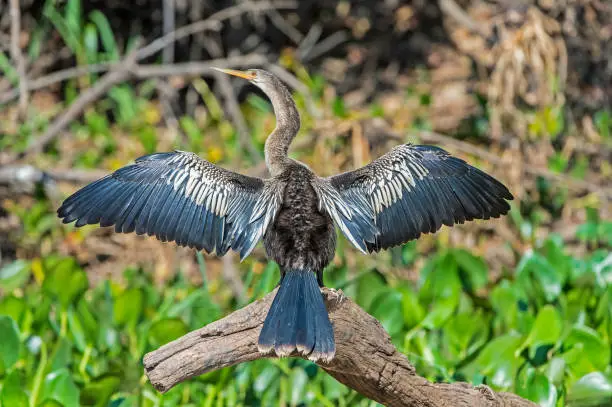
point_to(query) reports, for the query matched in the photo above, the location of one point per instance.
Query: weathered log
(365, 360)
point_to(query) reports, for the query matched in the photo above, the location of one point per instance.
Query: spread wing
(408, 191)
(179, 197)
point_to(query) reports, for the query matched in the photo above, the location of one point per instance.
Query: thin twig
(452, 9)
(56, 77)
(168, 18)
(211, 23)
(123, 71)
(281, 23)
(324, 46)
(18, 57)
(110, 79)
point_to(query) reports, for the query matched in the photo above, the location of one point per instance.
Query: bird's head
(257, 77)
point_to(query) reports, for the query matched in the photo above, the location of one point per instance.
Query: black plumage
(180, 197)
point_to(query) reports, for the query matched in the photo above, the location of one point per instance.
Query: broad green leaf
(62, 354)
(592, 390)
(370, 285)
(298, 384)
(473, 269)
(128, 307)
(50, 403)
(440, 312)
(99, 391)
(498, 361)
(332, 388)
(442, 287)
(59, 386)
(387, 308)
(9, 342)
(76, 330)
(536, 387)
(65, 280)
(534, 266)
(546, 329)
(465, 332)
(555, 370)
(13, 307)
(12, 391)
(412, 310)
(166, 330)
(14, 275)
(267, 376)
(596, 350)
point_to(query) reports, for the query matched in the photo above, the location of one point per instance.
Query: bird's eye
(252, 74)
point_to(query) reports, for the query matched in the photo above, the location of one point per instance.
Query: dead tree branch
(365, 360)
(124, 71)
(17, 56)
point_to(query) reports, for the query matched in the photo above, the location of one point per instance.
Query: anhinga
(178, 196)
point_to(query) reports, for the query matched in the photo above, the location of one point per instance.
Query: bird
(178, 196)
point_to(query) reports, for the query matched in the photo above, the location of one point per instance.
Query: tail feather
(298, 320)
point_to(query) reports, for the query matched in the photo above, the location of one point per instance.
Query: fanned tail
(298, 320)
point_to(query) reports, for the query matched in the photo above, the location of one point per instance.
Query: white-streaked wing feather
(179, 197)
(406, 192)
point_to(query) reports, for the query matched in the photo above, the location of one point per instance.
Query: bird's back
(301, 236)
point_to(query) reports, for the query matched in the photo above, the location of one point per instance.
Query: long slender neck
(287, 126)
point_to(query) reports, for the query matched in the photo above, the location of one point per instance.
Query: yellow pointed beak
(240, 74)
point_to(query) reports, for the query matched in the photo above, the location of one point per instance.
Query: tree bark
(365, 360)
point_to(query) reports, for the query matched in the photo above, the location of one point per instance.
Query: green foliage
(541, 329)
(543, 332)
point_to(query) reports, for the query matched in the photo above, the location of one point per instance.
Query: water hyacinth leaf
(128, 307)
(59, 386)
(268, 375)
(12, 391)
(298, 384)
(10, 344)
(387, 308)
(14, 275)
(592, 390)
(332, 388)
(166, 330)
(473, 269)
(497, 361)
(50, 403)
(555, 370)
(99, 391)
(13, 307)
(534, 266)
(370, 285)
(76, 330)
(412, 310)
(546, 329)
(65, 281)
(596, 350)
(88, 321)
(440, 312)
(442, 287)
(62, 354)
(465, 332)
(536, 387)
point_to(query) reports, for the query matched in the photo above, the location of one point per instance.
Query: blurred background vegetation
(520, 89)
